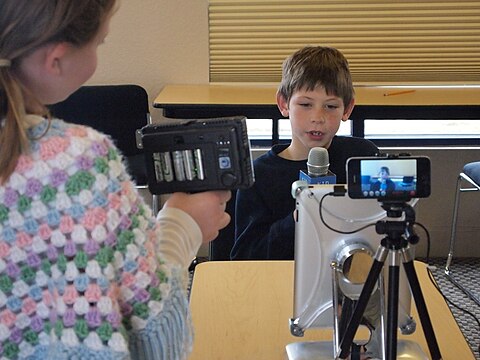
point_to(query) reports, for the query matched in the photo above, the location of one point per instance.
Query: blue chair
(468, 180)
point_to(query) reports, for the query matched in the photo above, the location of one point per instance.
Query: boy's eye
(331, 107)
(305, 104)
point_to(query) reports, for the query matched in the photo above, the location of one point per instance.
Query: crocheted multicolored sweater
(80, 268)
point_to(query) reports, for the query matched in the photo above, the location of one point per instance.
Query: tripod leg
(362, 302)
(347, 309)
(420, 304)
(392, 305)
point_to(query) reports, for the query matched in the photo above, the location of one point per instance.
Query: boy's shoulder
(353, 142)
(271, 155)
(271, 163)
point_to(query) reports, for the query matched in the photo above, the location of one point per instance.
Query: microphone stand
(399, 234)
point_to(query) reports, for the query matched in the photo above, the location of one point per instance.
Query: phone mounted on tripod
(389, 177)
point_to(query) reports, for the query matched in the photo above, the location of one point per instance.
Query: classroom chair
(468, 180)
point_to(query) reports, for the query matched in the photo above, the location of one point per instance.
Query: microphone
(317, 165)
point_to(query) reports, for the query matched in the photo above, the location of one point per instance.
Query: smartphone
(389, 178)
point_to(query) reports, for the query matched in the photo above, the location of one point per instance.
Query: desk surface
(256, 95)
(240, 310)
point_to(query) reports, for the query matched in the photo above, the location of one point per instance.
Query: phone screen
(388, 178)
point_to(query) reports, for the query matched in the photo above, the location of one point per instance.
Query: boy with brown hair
(316, 93)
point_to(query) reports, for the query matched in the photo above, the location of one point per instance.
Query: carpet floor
(465, 271)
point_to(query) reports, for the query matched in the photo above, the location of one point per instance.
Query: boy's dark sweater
(264, 226)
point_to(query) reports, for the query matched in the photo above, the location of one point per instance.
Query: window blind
(384, 41)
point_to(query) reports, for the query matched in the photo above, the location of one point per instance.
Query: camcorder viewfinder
(389, 177)
(197, 155)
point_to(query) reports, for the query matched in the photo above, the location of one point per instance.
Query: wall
(156, 42)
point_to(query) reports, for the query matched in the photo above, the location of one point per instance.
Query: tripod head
(399, 233)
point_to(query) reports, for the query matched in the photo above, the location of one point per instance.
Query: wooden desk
(246, 95)
(259, 102)
(241, 310)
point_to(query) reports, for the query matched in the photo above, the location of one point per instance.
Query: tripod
(399, 234)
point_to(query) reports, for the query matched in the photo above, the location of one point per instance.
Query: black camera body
(197, 155)
(389, 177)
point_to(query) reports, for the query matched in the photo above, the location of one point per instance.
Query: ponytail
(13, 137)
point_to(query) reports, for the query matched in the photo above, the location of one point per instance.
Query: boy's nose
(318, 118)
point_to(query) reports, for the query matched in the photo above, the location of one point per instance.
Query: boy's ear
(348, 110)
(282, 104)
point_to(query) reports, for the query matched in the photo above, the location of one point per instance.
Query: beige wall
(155, 42)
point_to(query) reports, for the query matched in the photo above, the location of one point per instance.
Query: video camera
(197, 155)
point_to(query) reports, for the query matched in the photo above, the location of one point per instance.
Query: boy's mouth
(315, 133)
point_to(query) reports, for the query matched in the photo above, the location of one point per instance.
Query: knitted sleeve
(179, 236)
(82, 268)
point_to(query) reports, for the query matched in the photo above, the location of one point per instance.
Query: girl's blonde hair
(26, 25)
